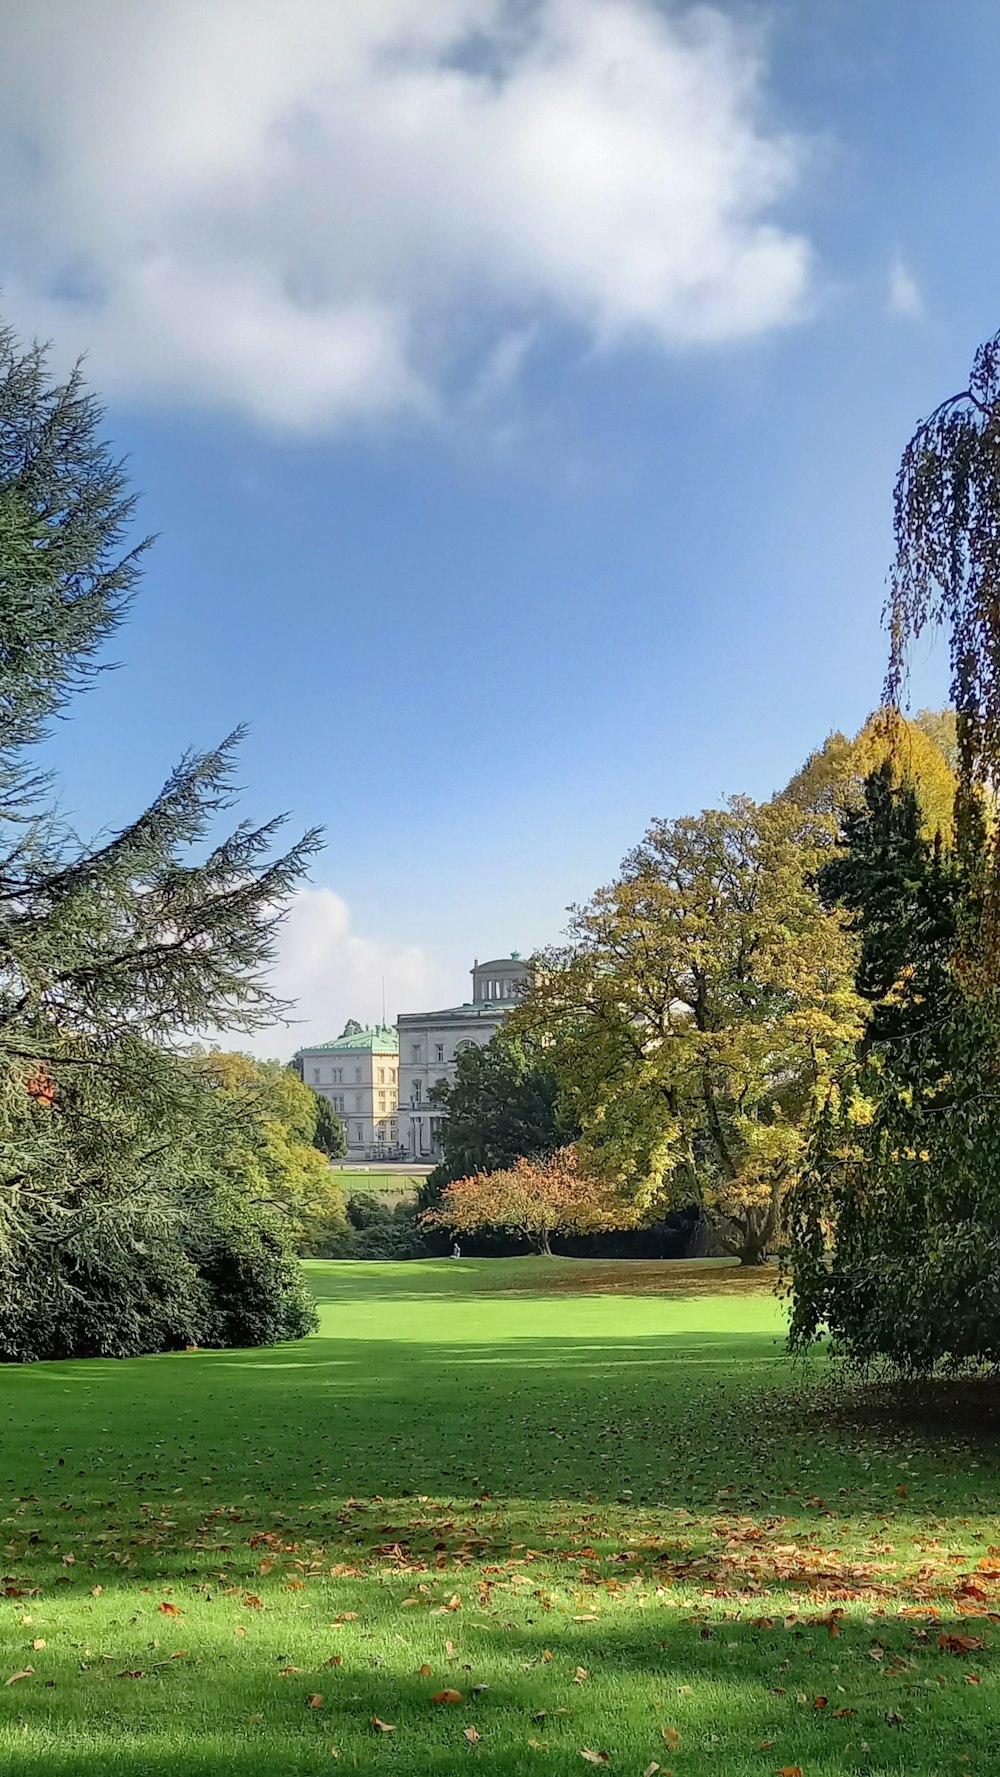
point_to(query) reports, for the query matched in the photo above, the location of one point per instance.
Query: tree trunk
(545, 1250)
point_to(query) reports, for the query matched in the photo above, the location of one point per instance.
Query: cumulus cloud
(330, 209)
(335, 973)
(904, 298)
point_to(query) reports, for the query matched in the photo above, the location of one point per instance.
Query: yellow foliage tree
(917, 752)
(271, 1152)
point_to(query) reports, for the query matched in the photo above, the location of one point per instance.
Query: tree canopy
(531, 1200)
(113, 952)
(696, 1013)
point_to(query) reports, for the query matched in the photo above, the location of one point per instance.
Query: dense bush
(376, 1232)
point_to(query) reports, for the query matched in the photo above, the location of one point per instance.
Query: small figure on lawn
(456, 1251)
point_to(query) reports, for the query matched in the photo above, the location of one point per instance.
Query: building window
(415, 1051)
(338, 1075)
(357, 1073)
(439, 1051)
(358, 1135)
(381, 1076)
(358, 1101)
(316, 1075)
(417, 1089)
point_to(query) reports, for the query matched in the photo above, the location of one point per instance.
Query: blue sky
(517, 398)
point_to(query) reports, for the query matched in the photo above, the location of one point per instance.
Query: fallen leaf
(38, 1645)
(595, 1758)
(960, 1644)
(472, 1735)
(252, 1602)
(789, 1771)
(315, 1701)
(170, 1610)
(15, 1676)
(840, 1713)
(671, 1736)
(95, 1591)
(901, 1489)
(580, 1676)
(384, 1727)
(447, 1697)
(972, 1678)
(347, 1616)
(334, 1660)
(651, 1769)
(820, 1702)
(138, 1673)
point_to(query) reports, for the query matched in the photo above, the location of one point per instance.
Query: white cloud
(904, 298)
(335, 973)
(326, 209)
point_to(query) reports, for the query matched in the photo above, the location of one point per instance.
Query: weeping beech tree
(119, 1229)
(896, 1221)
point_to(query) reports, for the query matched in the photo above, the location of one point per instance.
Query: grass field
(591, 1499)
(394, 1187)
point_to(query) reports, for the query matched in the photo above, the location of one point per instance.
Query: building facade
(428, 1043)
(359, 1073)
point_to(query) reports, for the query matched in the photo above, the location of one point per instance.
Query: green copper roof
(380, 1037)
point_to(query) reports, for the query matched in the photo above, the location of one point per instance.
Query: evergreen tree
(329, 1138)
(895, 1225)
(110, 953)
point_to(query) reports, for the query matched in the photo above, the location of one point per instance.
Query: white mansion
(360, 1070)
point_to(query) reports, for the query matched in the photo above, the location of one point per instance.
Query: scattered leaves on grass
(447, 1697)
(961, 1644)
(595, 1758)
(472, 1734)
(251, 1601)
(671, 1736)
(384, 1727)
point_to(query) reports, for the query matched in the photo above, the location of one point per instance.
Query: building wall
(430, 1041)
(362, 1086)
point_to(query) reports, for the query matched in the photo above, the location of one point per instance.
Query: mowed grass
(395, 1187)
(594, 1501)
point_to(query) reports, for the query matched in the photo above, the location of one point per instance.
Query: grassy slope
(613, 1485)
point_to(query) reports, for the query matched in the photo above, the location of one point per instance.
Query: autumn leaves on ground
(511, 1515)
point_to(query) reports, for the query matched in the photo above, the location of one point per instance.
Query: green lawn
(592, 1499)
(393, 1186)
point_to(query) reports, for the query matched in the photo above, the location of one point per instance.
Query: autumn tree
(531, 1201)
(272, 1154)
(697, 1012)
(918, 753)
